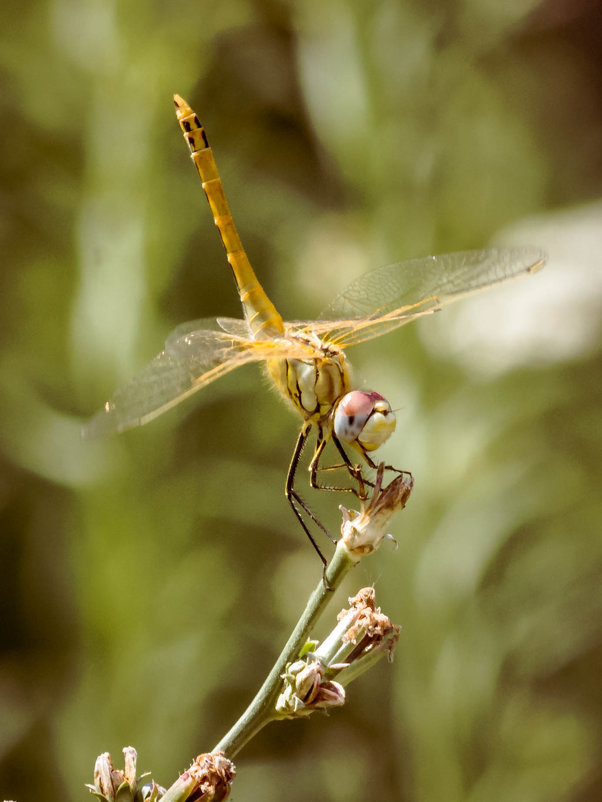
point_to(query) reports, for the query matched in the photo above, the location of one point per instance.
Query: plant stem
(262, 709)
(181, 789)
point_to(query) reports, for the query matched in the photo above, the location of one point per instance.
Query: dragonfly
(306, 360)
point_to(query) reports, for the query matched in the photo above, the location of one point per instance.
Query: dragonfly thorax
(313, 385)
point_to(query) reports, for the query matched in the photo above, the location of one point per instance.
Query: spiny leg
(381, 467)
(295, 499)
(354, 470)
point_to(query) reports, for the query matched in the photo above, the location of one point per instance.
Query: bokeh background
(148, 581)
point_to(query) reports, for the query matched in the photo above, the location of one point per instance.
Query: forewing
(389, 297)
(236, 326)
(174, 374)
(191, 359)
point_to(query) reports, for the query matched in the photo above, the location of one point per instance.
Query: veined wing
(236, 326)
(389, 297)
(194, 356)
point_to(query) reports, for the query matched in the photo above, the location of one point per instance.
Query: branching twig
(303, 677)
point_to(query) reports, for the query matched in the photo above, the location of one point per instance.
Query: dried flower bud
(130, 758)
(362, 532)
(362, 636)
(305, 690)
(369, 628)
(104, 776)
(111, 783)
(212, 774)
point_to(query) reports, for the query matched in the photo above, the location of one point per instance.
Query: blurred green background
(148, 581)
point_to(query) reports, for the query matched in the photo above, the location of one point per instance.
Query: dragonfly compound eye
(364, 419)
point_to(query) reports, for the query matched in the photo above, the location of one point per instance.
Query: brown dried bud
(367, 620)
(213, 774)
(362, 532)
(305, 689)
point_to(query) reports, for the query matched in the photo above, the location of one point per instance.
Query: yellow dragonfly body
(305, 359)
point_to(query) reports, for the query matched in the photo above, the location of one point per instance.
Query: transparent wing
(192, 358)
(236, 326)
(389, 297)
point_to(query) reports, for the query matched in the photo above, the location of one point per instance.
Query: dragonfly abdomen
(261, 314)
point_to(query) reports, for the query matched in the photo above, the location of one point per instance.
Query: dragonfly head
(364, 420)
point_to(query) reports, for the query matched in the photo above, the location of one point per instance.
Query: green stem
(181, 789)
(262, 710)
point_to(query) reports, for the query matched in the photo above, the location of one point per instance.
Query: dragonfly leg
(376, 466)
(297, 503)
(354, 470)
